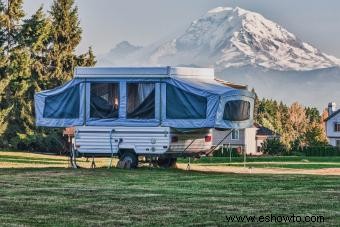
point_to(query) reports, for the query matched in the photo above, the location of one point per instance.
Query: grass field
(40, 190)
(65, 197)
(294, 162)
(287, 159)
(30, 160)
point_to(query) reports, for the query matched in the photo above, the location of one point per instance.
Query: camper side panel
(91, 140)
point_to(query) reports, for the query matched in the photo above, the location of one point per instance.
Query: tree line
(296, 125)
(36, 53)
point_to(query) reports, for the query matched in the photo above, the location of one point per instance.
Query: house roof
(263, 131)
(332, 115)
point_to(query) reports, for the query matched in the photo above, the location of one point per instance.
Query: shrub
(273, 147)
(52, 142)
(320, 151)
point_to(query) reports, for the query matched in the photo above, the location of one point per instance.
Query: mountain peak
(231, 38)
(125, 45)
(234, 37)
(121, 51)
(219, 9)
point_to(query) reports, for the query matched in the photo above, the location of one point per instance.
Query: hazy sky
(107, 22)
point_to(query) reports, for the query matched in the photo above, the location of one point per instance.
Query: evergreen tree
(65, 37)
(313, 114)
(87, 59)
(3, 80)
(315, 135)
(2, 25)
(32, 40)
(11, 61)
(35, 54)
(10, 21)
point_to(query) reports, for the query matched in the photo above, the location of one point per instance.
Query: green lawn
(316, 165)
(264, 159)
(292, 162)
(296, 162)
(66, 197)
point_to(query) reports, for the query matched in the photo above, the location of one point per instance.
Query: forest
(38, 52)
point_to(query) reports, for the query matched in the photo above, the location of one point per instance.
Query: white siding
(100, 140)
(332, 141)
(250, 140)
(247, 139)
(218, 136)
(331, 134)
(143, 140)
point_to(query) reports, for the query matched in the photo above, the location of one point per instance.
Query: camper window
(236, 110)
(181, 104)
(63, 105)
(104, 100)
(141, 100)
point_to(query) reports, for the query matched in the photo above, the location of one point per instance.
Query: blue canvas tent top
(177, 97)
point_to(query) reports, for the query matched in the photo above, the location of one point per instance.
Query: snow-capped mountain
(233, 37)
(244, 47)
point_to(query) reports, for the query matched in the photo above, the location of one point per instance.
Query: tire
(166, 162)
(129, 160)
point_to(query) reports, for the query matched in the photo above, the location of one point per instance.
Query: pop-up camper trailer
(163, 112)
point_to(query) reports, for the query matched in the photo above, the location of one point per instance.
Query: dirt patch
(247, 170)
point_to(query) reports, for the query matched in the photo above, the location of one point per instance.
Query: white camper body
(144, 141)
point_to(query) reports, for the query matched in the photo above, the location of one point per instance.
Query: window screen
(141, 100)
(181, 104)
(63, 105)
(104, 100)
(237, 110)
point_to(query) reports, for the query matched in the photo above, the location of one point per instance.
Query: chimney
(331, 108)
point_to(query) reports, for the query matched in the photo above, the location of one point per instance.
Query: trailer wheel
(128, 160)
(166, 162)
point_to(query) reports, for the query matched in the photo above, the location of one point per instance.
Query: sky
(141, 22)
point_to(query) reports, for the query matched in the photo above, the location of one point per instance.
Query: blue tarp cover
(178, 102)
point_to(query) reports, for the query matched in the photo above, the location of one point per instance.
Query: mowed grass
(17, 159)
(31, 160)
(292, 162)
(50, 196)
(265, 159)
(317, 165)
(67, 197)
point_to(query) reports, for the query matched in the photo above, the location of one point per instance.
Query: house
(262, 134)
(333, 125)
(249, 140)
